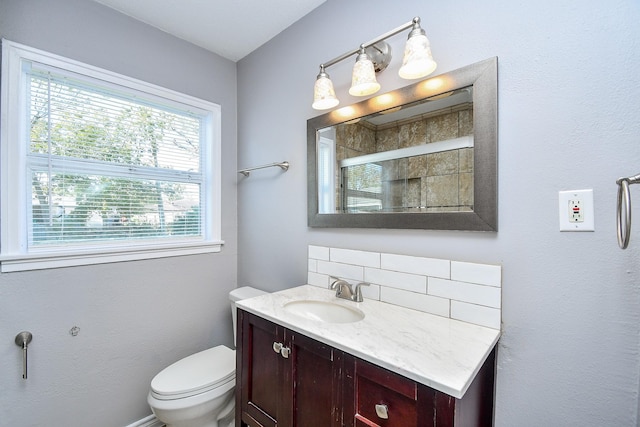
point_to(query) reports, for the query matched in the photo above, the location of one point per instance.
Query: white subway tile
(476, 314)
(317, 286)
(316, 279)
(371, 292)
(341, 271)
(467, 292)
(415, 301)
(417, 265)
(483, 274)
(349, 256)
(464, 291)
(394, 279)
(319, 252)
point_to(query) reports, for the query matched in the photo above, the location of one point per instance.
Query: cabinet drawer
(400, 410)
(394, 396)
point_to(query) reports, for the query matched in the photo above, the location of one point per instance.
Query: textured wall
(135, 318)
(568, 119)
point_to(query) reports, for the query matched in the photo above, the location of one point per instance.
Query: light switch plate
(575, 210)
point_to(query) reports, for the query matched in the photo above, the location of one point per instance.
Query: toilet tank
(238, 294)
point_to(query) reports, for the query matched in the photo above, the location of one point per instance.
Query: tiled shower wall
(459, 290)
(434, 182)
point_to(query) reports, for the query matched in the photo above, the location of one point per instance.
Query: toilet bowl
(198, 391)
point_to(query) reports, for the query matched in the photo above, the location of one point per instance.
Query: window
(363, 187)
(97, 167)
(326, 174)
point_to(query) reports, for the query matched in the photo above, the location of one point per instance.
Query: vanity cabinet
(286, 379)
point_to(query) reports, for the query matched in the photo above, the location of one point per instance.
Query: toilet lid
(197, 373)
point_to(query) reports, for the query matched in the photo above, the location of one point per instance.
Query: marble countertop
(442, 353)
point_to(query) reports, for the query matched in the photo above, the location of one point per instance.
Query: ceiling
(230, 28)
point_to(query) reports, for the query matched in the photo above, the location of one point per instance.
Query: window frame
(15, 255)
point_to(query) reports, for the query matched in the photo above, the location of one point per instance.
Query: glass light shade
(363, 77)
(417, 61)
(324, 97)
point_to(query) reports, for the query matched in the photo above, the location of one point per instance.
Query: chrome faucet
(345, 291)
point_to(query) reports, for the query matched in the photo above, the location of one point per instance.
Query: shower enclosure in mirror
(423, 156)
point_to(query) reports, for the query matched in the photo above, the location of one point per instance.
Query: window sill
(45, 260)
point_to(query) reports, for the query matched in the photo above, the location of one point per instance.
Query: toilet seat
(196, 374)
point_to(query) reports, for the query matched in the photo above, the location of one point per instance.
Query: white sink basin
(324, 311)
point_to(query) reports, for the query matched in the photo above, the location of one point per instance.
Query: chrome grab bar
(623, 216)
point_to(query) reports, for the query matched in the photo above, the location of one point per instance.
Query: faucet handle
(358, 292)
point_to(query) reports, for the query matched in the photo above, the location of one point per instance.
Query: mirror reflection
(412, 158)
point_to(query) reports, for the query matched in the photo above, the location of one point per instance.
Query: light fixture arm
(415, 23)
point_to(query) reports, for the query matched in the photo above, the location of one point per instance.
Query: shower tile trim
(464, 291)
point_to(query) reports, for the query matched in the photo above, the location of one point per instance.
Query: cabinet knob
(285, 352)
(382, 411)
(277, 346)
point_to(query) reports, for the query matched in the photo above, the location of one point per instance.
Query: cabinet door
(260, 373)
(298, 386)
(315, 391)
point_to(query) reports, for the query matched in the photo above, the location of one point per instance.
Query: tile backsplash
(459, 290)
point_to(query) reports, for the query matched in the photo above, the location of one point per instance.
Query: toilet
(198, 391)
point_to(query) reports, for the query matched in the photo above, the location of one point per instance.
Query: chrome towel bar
(282, 165)
(623, 215)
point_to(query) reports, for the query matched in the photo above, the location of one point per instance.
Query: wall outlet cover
(575, 210)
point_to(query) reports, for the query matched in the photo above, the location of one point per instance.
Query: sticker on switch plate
(575, 210)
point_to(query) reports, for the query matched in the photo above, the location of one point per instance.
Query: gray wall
(568, 119)
(135, 318)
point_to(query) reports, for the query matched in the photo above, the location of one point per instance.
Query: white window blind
(106, 166)
(363, 187)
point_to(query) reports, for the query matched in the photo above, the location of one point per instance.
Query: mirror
(423, 157)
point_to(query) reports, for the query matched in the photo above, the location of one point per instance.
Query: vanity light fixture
(324, 97)
(374, 56)
(363, 77)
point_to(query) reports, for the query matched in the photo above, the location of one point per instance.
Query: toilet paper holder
(22, 340)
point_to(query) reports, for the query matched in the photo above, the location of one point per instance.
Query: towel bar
(282, 165)
(623, 217)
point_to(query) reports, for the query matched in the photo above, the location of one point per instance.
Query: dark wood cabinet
(286, 379)
(316, 383)
(259, 377)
